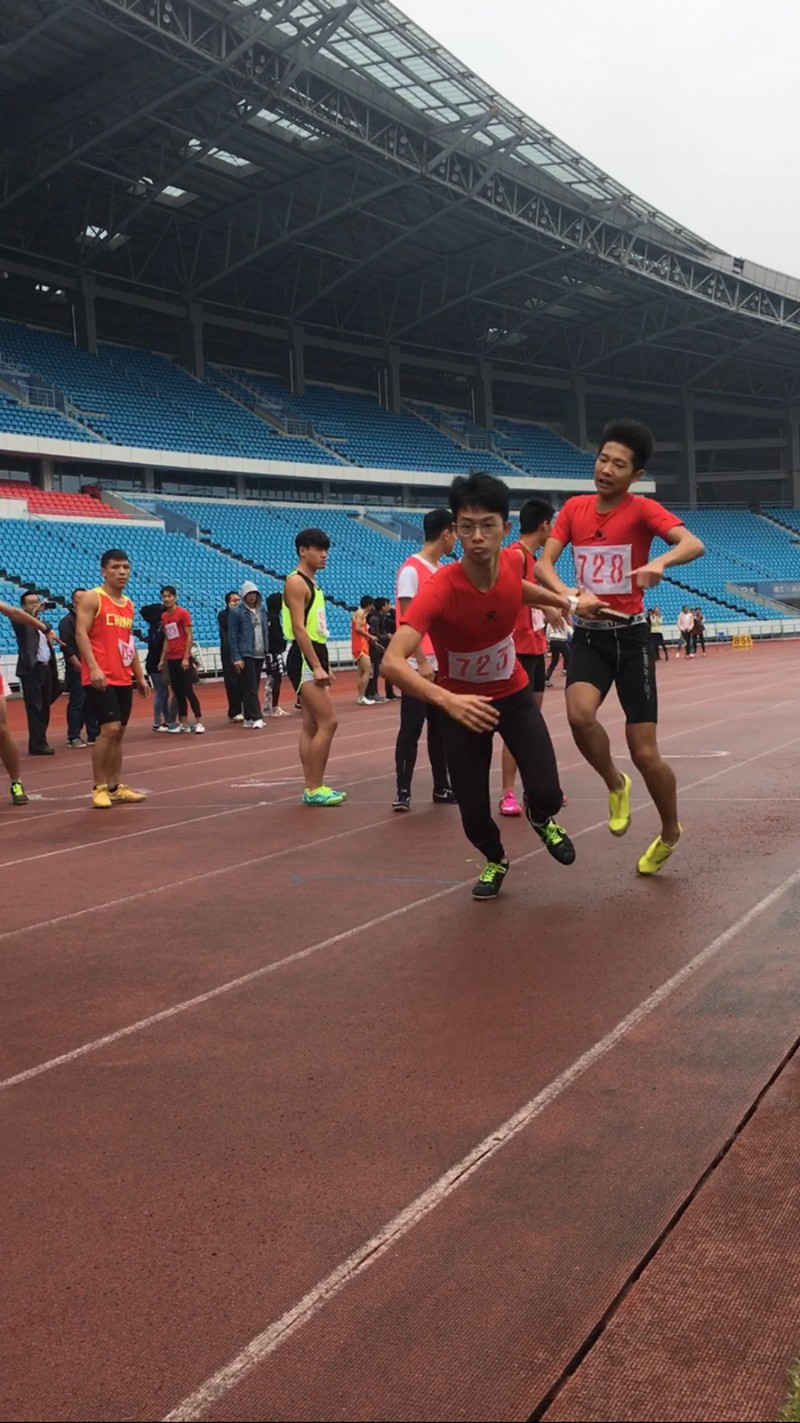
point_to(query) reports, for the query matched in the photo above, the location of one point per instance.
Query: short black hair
(168, 588)
(114, 555)
(366, 601)
(76, 591)
(274, 602)
(533, 514)
(381, 603)
(479, 491)
(234, 593)
(312, 538)
(435, 523)
(29, 593)
(634, 436)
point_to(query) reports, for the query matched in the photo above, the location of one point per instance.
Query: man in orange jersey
(104, 633)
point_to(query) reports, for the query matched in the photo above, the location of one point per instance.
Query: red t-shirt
(607, 548)
(176, 623)
(530, 637)
(471, 631)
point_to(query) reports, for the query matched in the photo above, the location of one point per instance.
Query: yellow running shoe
(101, 800)
(125, 795)
(619, 807)
(656, 855)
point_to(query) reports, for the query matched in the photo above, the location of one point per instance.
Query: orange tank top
(111, 637)
(359, 642)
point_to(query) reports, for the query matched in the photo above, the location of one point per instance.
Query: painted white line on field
(198, 1403)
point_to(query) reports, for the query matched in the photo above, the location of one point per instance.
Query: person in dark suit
(36, 672)
(79, 713)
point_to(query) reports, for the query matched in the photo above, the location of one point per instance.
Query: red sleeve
(659, 519)
(563, 525)
(423, 609)
(185, 618)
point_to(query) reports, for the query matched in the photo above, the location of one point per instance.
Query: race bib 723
(490, 664)
(603, 570)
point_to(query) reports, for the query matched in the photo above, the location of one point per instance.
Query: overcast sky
(692, 104)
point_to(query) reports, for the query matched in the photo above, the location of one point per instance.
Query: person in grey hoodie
(249, 642)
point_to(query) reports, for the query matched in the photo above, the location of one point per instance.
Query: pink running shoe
(509, 805)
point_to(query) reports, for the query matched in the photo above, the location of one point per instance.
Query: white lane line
(224, 988)
(198, 1403)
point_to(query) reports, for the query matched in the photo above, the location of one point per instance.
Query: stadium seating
(130, 397)
(21, 419)
(537, 450)
(56, 503)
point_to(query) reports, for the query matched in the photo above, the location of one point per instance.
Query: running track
(295, 1130)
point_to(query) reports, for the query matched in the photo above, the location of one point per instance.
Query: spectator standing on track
(440, 540)
(79, 712)
(611, 533)
(104, 633)
(360, 647)
(37, 673)
(469, 611)
(699, 631)
(308, 664)
(231, 678)
(559, 643)
(275, 665)
(164, 704)
(248, 632)
(654, 622)
(379, 641)
(9, 752)
(685, 628)
(176, 657)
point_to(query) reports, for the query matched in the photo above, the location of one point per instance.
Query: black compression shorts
(622, 658)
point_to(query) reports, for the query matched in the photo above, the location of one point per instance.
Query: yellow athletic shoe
(656, 855)
(101, 800)
(619, 807)
(125, 795)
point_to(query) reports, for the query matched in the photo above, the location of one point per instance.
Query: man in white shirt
(440, 540)
(36, 674)
(685, 627)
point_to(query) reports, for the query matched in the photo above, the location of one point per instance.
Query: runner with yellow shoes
(611, 533)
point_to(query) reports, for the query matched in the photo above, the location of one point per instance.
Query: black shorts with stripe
(298, 670)
(618, 657)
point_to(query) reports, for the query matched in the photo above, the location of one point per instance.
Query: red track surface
(409, 1157)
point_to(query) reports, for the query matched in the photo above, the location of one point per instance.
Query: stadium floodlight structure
(325, 163)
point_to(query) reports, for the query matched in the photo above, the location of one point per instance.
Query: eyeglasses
(465, 528)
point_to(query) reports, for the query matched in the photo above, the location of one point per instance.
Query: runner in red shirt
(611, 533)
(469, 609)
(530, 638)
(109, 659)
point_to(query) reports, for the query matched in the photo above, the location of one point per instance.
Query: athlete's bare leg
(658, 777)
(591, 739)
(363, 672)
(316, 734)
(9, 752)
(107, 754)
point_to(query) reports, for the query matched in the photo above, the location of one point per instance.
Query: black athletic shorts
(619, 657)
(298, 670)
(533, 663)
(114, 704)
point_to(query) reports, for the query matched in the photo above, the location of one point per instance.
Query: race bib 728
(490, 664)
(603, 570)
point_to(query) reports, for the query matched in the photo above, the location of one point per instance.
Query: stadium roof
(326, 163)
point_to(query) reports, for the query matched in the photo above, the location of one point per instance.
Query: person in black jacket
(9, 755)
(79, 712)
(275, 664)
(232, 679)
(164, 704)
(36, 670)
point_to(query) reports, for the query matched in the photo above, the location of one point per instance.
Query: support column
(84, 315)
(46, 472)
(240, 487)
(392, 400)
(482, 406)
(149, 480)
(687, 470)
(191, 352)
(793, 447)
(296, 360)
(577, 413)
